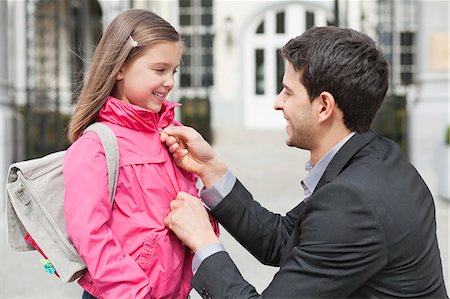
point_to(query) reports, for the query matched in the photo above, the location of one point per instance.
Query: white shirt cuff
(203, 253)
(213, 195)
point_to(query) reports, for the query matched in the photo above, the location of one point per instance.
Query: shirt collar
(309, 183)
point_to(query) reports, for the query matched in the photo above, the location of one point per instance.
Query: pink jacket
(128, 251)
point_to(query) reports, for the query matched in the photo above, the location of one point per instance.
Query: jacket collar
(343, 156)
(134, 117)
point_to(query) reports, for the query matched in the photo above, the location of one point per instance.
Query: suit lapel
(343, 156)
(337, 164)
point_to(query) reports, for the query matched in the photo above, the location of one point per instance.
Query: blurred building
(231, 63)
(429, 104)
(230, 76)
(7, 110)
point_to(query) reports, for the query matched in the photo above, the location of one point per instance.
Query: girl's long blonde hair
(114, 50)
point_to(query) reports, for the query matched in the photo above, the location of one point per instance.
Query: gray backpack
(35, 206)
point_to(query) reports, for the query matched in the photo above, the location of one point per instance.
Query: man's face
(294, 101)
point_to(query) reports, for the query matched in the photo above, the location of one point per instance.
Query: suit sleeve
(339, 244)
(88, 211)
(262, 233)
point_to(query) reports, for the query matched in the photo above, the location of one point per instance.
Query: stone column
(429, 107)
(6, 109)
(3, 52)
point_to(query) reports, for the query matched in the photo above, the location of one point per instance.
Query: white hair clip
(134, 43)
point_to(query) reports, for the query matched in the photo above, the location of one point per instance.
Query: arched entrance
(263, 67)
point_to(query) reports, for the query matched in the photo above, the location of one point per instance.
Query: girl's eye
(175, 71)
(160, 70)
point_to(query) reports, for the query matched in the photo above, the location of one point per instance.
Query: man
(366, 227)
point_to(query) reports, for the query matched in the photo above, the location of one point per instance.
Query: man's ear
(326, 104)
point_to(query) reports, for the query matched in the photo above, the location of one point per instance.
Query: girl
(128, 251)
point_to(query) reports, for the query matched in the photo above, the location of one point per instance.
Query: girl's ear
(121, 73)
(326, 105)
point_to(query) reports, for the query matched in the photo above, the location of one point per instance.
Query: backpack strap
(109, 142)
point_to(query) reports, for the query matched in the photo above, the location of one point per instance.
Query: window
(309, 20)
(196, 21)
(280, 22)
(406, 57)
(260, 29)
(185, 3)
(397, 41)
(185, 20)
(259, 73)
(280, 70)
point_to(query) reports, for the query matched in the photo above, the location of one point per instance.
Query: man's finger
(175, 204)
(179, 155)
(168, 220)
(181, 195)
(163, 136)
(174, 148)
(178, 131)
(182, 132)
(184, 196)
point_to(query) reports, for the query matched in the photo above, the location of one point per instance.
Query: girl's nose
(169, 82)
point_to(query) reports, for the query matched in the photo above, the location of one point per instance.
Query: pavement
(265, 165)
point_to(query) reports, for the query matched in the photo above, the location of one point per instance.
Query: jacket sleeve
(88, 211)
(339, 244)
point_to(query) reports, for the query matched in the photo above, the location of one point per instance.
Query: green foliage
(196, 113)
(44, 130)
(390, 120)
(447, 135)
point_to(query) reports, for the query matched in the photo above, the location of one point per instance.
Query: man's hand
(192, 153)
(189, 220)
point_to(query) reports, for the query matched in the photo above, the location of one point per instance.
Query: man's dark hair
(347, 64)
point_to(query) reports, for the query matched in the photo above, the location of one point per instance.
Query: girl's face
(147, 80)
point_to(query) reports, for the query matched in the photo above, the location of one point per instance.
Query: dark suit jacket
(367, 231)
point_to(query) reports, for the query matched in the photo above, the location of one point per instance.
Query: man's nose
(279, 103)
